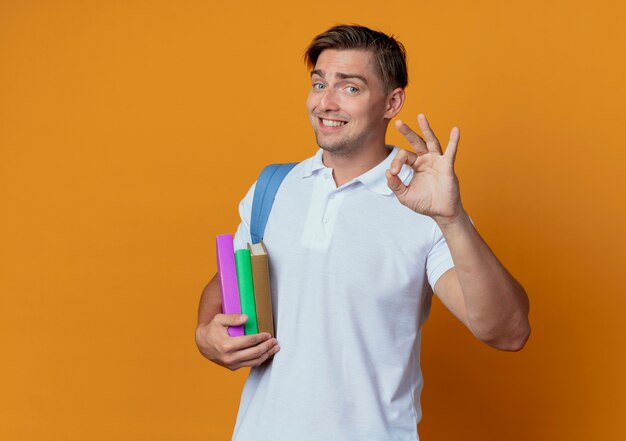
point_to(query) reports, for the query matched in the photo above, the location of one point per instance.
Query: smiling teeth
(330, 123)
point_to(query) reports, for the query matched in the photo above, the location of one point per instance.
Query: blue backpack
(264, 193)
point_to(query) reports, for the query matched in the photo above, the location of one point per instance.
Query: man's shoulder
(293, 170)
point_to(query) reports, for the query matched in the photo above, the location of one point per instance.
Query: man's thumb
(233, 319)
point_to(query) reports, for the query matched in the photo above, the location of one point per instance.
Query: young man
(360, 235)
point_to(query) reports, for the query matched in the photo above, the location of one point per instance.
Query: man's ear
(395, 101)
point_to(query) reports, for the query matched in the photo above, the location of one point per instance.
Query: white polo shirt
(351, 273)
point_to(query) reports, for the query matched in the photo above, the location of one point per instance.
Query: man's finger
(254, 356)
(395, 184)
(269, 354)
(257, 351)
(251, 363)
(402, 157)
(453, 144)
(248, 341)
(432, 143)
(416, 141)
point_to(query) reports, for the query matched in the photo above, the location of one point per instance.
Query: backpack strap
(264, 193)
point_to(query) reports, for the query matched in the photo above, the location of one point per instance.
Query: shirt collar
(314, 164)
(373, 179)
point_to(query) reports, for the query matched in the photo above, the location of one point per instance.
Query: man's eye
(318, 86)
(352, 89)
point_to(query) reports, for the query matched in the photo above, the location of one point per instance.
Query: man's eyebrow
(348, 76)
(343, 76)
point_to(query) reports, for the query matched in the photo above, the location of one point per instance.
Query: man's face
(347, 102)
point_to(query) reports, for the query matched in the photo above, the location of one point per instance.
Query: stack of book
(245, 284)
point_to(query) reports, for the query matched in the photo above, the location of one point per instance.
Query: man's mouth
(332, 122)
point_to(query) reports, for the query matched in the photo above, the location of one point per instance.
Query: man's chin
(334, 147)
(331, 148)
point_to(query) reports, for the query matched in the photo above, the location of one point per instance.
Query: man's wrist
(458, 221)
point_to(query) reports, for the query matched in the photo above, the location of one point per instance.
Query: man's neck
(346, 167)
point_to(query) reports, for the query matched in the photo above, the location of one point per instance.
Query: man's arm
(479, 290)
(214, 342)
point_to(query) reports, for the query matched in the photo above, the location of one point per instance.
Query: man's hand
(233, 352)
(434, 189)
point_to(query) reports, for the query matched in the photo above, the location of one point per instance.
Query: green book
(246, 290)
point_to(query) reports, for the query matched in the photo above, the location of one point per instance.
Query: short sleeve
(242, 236)
(439, 259)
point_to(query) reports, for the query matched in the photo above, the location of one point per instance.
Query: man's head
(389, 54)
(357, 85)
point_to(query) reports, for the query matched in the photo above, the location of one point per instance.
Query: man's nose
(329, 100)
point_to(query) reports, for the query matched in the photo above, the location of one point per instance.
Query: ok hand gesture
(434, 189)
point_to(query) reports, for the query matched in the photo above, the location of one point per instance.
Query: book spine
(227, 276)
(262, 292)
(246, 290)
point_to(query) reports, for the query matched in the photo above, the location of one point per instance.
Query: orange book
(262, 291)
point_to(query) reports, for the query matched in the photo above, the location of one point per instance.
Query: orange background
(130, 130)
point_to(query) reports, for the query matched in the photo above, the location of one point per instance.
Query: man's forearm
(210, 302)
(496, 304)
